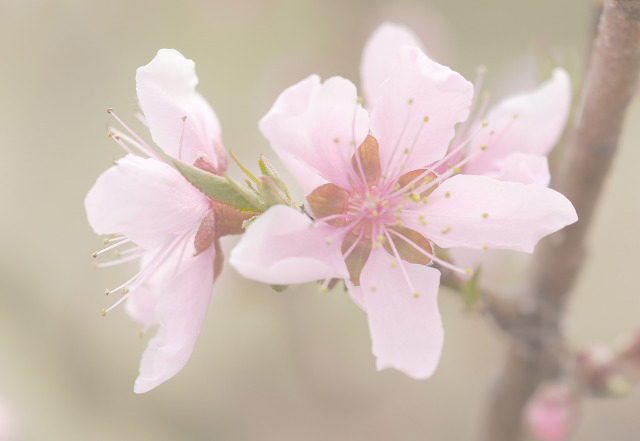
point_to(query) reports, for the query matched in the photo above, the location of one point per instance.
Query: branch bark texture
(536, 350)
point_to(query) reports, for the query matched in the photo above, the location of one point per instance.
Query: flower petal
(480, 212)
(282, 247)
(380, 55)
(420, 103)
(540, 119)
(180, 311)
(144, 199)
(406, 332)
(166, 90)
(522, 167)
(320, 125)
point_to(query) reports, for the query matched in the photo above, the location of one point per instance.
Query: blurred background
(268, 366)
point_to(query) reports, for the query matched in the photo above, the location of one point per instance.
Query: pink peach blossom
(552, 413)
(378, 203)
(174, 227)
(521, 131)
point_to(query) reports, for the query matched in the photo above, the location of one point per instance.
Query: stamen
(184, 124)
(145, 149)
(433, 257)
(399, 261)
(353, 245)
(128, 129)
(116, 138)
(97, 253)
(119, 261)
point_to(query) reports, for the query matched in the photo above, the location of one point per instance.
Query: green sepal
(271, 193)
(267, 170)
(221, 189)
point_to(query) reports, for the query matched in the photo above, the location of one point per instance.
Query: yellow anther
(125, 291)
(428, 179)
(422, 219)
(484, 124)
(396, 187)
(393, 264)
(381, 238)
(374, 213)
(425, 200)
(411, 187)
(410, 101)
(416, 295)
(425, 119)
(376, 245)
(360, 100)
(446, 230)
(485, 247)
(399, 208)
(385, 204)
(456, 170)
(447, 195)
(469, 271)
(415, 196)
(323, 289)
(484, 147)
(485, 215)
(329, 241)
(399, 223)
(406, 150)
(103, 312)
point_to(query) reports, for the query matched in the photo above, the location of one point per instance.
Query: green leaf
(471, 290)
(267, 169)
(221, 189)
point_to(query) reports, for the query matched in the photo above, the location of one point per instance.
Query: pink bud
(551, 414)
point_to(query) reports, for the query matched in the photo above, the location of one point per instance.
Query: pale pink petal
(166, 90)
(180, 311)
(552, 413)
(478, 212)
(420, 103)
(144, 199)
(540, 119)
(381, 54)
(522, 167)
(142, 301)
(282, 247)
(406, 332)
(319, 124)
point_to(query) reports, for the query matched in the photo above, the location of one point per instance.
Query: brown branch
(536, 350)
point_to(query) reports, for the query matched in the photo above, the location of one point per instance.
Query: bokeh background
(268, 366)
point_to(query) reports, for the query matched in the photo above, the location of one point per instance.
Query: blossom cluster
(412, 166)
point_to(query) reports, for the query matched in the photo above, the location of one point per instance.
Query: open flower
(522, 131)
(379, 203)
(174, 228)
